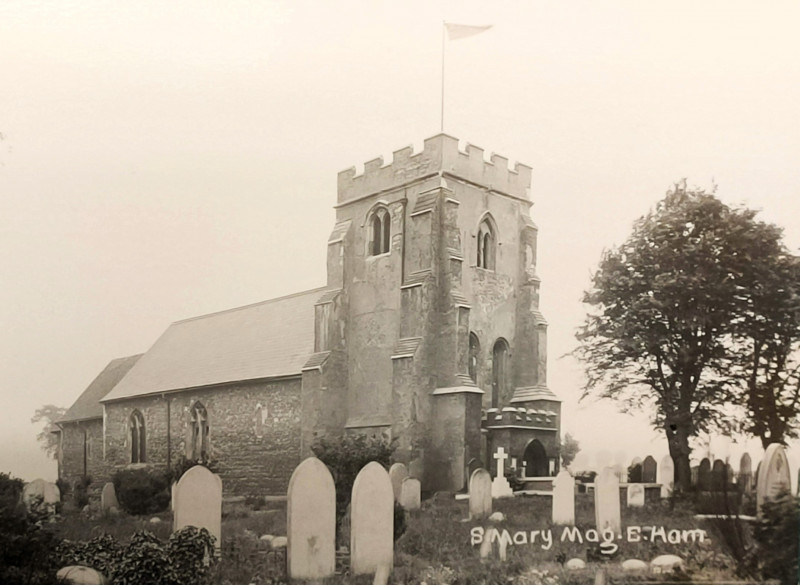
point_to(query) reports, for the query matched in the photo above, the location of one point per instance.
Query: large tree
(49, 414)
(668, 308)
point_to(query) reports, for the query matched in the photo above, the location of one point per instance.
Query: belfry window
(381, 232)
(198, 447)
(138, 443)
(499, 373)
(487, 242)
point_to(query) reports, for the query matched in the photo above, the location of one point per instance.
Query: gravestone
(606, 501)
(718, 476)
(635, 495)
(198, 502)
(397, 473)
(480, 494)
(649, 468)
(500, 486)
(745, 479)
(666, 476)
(635, 471)
(564, 499)
(410, 494)
(108, 497)
(704, 475)
(371, 521)
(773, 476)
(311, 522)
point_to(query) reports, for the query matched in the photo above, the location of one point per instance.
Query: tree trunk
(678, 441)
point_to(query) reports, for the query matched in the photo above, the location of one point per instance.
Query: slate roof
(88, 406)
(266, 340)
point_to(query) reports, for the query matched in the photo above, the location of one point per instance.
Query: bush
(345, 456)
(142, 491)
(25, 546)
(776, 536)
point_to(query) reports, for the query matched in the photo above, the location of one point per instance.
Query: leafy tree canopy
(49, 414)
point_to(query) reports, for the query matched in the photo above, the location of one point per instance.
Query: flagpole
(444, 32)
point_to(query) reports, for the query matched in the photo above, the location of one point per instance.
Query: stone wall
(252, 455)
(78, 440)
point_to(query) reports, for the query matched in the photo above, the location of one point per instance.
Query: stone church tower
(429, 329)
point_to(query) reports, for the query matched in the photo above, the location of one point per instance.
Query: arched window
(381, 232)
(499, 372)
(487, 244)
(474, 352)
(199, 433)
(138, 442)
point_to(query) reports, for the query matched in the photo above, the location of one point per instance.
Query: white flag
(462, 31)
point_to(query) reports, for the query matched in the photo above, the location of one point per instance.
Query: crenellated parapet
(440, 155)
(542, 419)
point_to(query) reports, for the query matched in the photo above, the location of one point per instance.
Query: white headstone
(606, 500)
(42, 493)
(773, 476)
(666, 564)
(108, 497)
(410, 496)
(480, 494)
(311, 522)
(500, 486)
(198, 502)
(564, 499)
(634, 566)
(666, 476)
(397, 473)
(635, 495)
(79, 575)
(371, 521)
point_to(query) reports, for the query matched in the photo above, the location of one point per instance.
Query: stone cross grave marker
(410, 494)
(500, 486)
(108, 497)
(397, 473)
(635, 495)
(649, 470)
(745, 479)
(774, 475)
(606, 501)
(371, 521)
(480, 494)
(198, 502)
(564, 499)
(704, 475)
(311, 522)
(666, 476)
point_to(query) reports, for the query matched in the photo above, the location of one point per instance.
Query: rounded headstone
(397, 473)
(564, 499)
(371, 521)
(480, 494)
(575, 564)
(78, 575)
(773, 475)
(268, 538)
(410, 494)
(311, 522)
(497, 517)
(280, 542)
(666, 563)
(155, 520)
(634, 566)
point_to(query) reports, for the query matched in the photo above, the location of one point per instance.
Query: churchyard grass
(436, 547)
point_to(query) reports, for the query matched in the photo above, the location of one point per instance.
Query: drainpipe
(169, 433)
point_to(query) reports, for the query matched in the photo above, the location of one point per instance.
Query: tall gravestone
(666, 476)
(704, 475)
(718, 473)
(371, 521)
(649, 469)
(745, 479)
(564, 499)
(198, 502)
(397, 473)
(773, 475)
(411, 494)
(311, 522)
(480, 494)
(606, 501)
(108, 497)
(635, 470)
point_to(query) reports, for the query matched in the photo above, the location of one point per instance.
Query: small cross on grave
(501, 456)
(514, 463)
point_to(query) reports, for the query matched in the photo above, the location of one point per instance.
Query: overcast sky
(161, 160)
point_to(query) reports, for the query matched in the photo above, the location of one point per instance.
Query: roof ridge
(223, 311)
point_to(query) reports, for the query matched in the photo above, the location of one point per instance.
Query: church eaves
(271, 339)
(88, 406)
